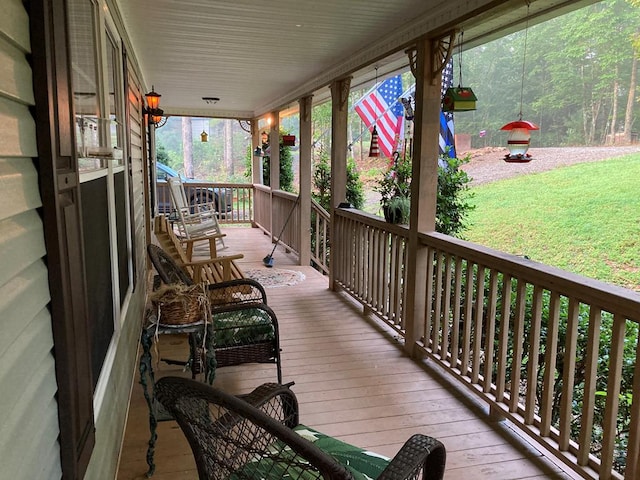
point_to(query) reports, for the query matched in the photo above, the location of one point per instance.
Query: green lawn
(584, 218)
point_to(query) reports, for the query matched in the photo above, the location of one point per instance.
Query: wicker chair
(243, 329)
(258, 436)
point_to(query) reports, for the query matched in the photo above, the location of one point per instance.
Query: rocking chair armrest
(211, 261)
(212, 239)
(420, 452)
(209, 270)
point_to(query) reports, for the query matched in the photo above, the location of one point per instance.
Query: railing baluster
(477, 325)
(551, 353)
(437, 304)
(588, 405)
(518, 340)
(428, 304)
(534, 352)
(446, 308)
(503, 347)
(568, 374)
(468, 314)
(490, 332)
(457, 304)
(609, 429)
(632, 471)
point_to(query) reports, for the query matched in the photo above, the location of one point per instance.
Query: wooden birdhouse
(459, 99)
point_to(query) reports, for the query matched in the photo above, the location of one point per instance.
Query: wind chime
(519, 136)
(374, 149)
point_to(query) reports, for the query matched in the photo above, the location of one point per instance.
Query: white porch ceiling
(259, 56)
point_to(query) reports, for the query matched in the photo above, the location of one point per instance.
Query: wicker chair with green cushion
(259, 436)
(243, 328)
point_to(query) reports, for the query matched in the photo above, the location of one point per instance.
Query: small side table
(147, 377)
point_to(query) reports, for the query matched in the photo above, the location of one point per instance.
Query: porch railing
(234, 200)
(320, 219)
(370, 261)
(286, 219)
(262, 209)
(553, 352)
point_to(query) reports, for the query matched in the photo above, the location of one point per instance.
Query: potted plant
(394, 189)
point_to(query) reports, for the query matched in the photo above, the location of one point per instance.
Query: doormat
(274, 277)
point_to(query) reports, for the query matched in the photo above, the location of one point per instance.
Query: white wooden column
(274, 147)
(305, 180)
(425, 65)
(274, 168)
(256, 162)
(339, 110)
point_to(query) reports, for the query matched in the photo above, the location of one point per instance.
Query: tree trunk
(614, 107)
(628, 117)
(187, 147)
(228, 146)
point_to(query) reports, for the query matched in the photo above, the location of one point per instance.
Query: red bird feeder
(518, 141)
(289, 140)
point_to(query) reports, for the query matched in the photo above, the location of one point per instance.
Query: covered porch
(354, 381)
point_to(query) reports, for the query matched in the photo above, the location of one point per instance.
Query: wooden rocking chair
(194, 220)
(212, 270)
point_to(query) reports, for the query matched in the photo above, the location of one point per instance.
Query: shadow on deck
(353, 381)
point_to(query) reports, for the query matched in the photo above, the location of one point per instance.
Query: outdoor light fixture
(153, 110)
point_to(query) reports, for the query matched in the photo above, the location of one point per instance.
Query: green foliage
(355, 188)
(586, 56)
(322, 183)
(454, 197)
(396, 181)
(161, 155)
(286, 166)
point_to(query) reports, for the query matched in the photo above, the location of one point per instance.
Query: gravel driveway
(487, 165)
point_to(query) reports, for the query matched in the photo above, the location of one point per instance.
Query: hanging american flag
(380, 107)
(447, 138)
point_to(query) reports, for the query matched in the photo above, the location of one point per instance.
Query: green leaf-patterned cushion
(279, 462)
(242, 327)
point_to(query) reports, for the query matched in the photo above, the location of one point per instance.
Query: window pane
(84, 80)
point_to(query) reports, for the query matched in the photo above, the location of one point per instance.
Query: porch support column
(274, 147)
(256, 162)
(274, 166)
(305, 180)
(424, 184)
(339, 110)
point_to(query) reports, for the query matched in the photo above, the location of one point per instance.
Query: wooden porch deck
(353, 381)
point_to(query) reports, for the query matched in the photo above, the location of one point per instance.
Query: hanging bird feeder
(289, 140)
(459, 99)
(518, 141)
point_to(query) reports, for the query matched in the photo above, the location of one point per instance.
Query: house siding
(29, 445)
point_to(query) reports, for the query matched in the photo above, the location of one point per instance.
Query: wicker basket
(180, 305)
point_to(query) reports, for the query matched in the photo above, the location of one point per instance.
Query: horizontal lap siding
(29, 421)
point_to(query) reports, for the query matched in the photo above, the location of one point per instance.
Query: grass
(584, 218)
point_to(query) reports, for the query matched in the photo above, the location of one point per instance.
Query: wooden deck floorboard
(352, 380)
